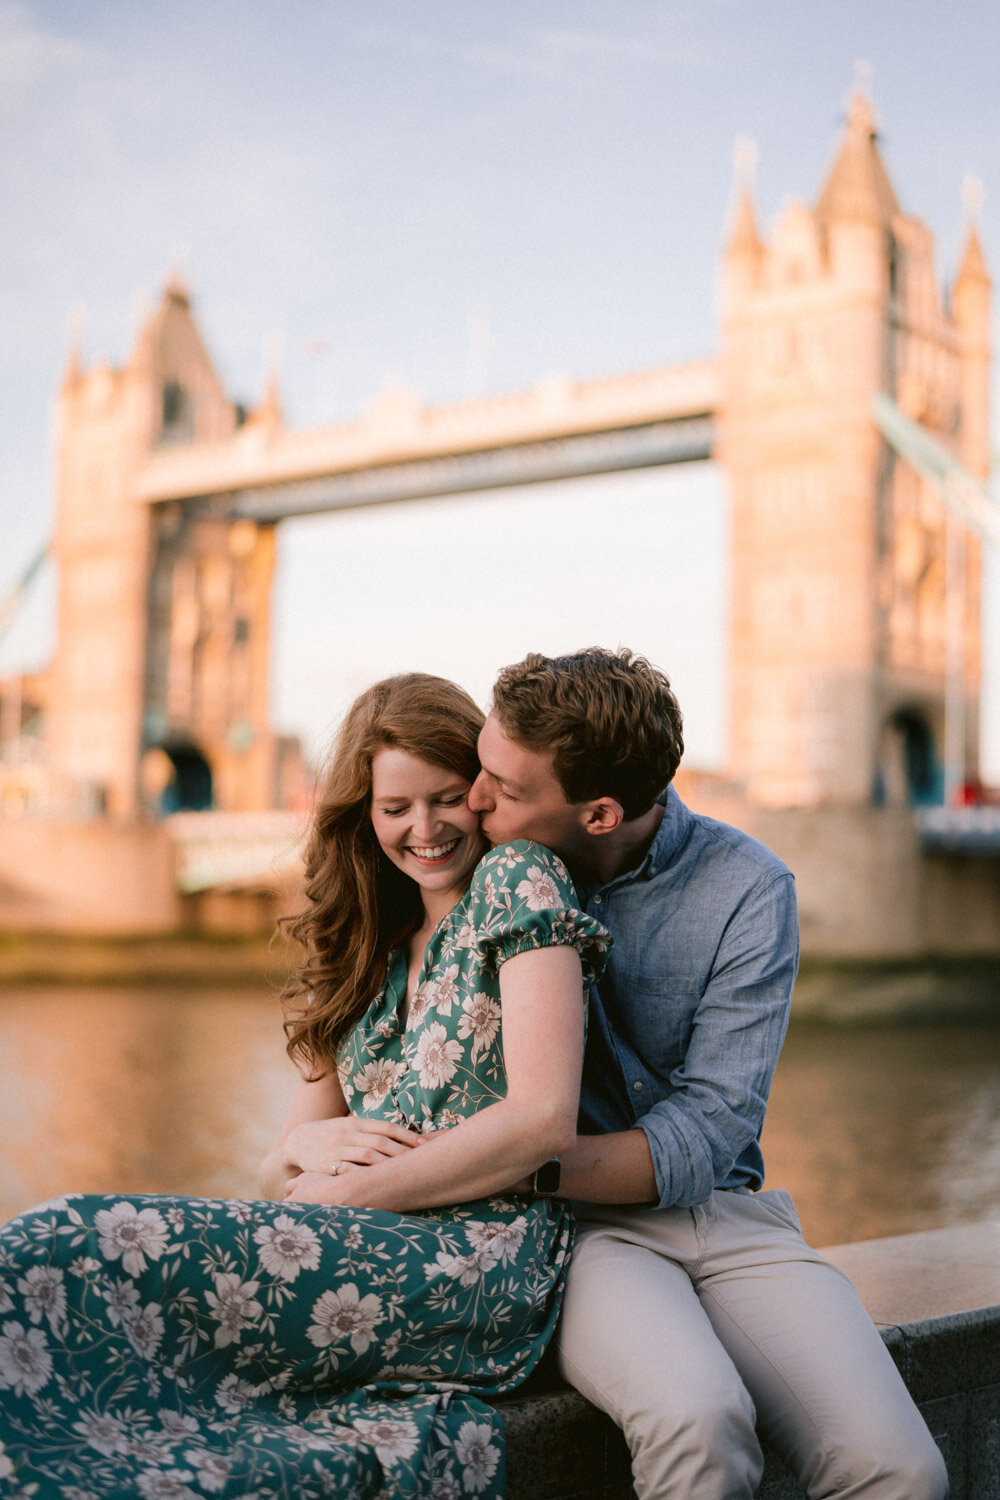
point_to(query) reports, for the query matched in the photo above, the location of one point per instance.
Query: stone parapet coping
(935, 1296)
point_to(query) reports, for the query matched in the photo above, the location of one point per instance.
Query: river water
(876, 1130)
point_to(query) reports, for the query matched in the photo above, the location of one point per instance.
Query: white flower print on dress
(234, 1306)
(287, 1247)
(391, 1440)
(233, 1394)
(497, 1241)
(465, 937)
(6, 1300)
(104, 1432)
(436, 1057)
(376, 1081)
(507, 858)
(445, 1120)
(477, 1454)
(466, 1269)
(343, 1314)
(241, 1212)
(170, 1484)
(122, 1298)
(212, 1469)
(177, 1424)
(44, 1295)
(6, 1467)
(84, 1265)
(445, 991)
(25, 1361)
(538, 890)
(144, 1330)
(390, 1347)
(420, 1004)
(132, 1234)
(481, 1021)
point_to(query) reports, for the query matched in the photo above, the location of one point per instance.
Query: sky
(459, 198)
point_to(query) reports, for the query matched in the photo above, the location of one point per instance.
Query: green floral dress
(175, 1348)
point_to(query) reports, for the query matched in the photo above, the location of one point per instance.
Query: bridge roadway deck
(400, 450)
(960, 830)
(936, 1299)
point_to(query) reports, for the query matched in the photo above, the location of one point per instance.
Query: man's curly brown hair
(608, 718)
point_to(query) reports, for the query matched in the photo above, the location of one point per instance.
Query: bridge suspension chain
(965, 495)
(12, 602)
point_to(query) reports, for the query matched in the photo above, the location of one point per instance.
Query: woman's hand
(320, 1136)
(321, 1187)
(330, 1146)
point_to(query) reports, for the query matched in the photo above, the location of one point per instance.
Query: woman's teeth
(434, 851)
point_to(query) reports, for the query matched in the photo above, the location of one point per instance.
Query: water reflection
(886, 1130)
(876, 1130)
(146, 1091)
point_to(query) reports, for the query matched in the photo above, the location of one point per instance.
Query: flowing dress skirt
(175, 1348)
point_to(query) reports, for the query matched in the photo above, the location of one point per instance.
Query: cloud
(553, 54)
(30, 55)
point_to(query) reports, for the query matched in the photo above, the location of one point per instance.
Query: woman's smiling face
(423, 822)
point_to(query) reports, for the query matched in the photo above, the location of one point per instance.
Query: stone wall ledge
(935, 1297)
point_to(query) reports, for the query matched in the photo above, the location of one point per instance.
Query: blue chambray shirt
(686, 1026)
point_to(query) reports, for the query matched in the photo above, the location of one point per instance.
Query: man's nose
(479, 797)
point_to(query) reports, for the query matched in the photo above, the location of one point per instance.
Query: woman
(337, 1342)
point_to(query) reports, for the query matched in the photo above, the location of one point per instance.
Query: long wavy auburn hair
(360, 905)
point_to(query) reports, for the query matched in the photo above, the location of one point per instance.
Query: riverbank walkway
(936, 1300)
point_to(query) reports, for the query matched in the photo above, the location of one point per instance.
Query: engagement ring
(335, 1167)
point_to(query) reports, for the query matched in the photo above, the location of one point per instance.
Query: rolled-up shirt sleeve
(718, 1094)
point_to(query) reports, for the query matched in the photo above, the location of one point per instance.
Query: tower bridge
(855, 626)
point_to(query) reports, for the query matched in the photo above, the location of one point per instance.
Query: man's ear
(603, 815)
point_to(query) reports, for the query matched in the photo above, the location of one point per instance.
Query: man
(694, 1309)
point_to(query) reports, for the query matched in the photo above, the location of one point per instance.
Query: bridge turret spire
(971, 301)
(744, 248)
(972, 271)
(858, 186)
(268, 415)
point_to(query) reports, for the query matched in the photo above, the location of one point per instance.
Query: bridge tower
(855, 602)
(159, 677)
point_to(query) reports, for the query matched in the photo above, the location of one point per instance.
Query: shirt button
(597, 900)
(638, 1085)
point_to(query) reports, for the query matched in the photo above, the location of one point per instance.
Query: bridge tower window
(177, 414)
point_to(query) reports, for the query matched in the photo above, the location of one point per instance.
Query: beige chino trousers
(692, 1326)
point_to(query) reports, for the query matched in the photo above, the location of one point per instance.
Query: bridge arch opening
(176, 777)
(909, 771)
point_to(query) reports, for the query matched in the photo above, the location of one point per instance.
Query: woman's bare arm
(541, 995)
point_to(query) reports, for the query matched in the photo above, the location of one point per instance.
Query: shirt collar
(669, 838)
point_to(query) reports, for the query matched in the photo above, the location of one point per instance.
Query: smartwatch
(545, 1179)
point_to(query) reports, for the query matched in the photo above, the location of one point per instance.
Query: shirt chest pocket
(662, 1011)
